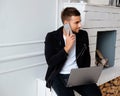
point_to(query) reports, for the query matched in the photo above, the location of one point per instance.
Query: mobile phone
(68, 28)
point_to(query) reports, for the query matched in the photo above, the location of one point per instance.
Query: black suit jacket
(56, 55)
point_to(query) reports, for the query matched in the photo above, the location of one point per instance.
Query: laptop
(82, 76)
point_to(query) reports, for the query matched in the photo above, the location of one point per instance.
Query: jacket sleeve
(54, 57)
(87, 58)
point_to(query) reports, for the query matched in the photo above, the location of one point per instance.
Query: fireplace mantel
(101, 18)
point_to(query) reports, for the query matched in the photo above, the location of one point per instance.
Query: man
(63, 52)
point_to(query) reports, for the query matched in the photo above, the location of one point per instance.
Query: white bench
(43, 91)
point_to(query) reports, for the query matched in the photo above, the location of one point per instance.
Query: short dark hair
(68, 12)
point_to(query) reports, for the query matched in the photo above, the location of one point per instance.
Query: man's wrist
(66, 49)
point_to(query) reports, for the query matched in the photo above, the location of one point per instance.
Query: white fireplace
(105, 43)
(103, 25)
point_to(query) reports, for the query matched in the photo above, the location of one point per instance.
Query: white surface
(109, 74)
(23, 26)
(41, 88)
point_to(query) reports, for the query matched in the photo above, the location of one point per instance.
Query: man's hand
(70, 39)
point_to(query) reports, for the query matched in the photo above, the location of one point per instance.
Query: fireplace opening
(105, 48)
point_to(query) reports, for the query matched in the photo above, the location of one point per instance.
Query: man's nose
(80, 25)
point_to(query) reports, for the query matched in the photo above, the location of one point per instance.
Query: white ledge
(20, 56)
(109, 74)
(22, 68)
(20, 43)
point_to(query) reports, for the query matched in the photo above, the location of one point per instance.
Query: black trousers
(84, 90)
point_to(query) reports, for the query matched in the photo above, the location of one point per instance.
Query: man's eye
(77, 22)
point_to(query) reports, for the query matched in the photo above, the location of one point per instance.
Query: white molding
(22, 68)
(21, 43)
(57, 11)
(21, 56)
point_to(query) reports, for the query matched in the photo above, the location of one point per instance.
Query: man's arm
(53, 57)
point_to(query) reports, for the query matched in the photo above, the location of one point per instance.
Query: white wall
(23, 26)
(101, 2)
(60, 8)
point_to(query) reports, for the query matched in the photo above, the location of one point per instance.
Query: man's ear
(66, 21)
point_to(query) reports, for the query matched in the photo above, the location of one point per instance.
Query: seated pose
(64, 51)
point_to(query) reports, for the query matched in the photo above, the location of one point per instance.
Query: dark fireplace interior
(106, 41)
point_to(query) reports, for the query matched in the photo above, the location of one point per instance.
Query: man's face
(75, 23)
